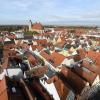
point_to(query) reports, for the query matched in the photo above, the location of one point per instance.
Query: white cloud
(92, 15)
(50, 10)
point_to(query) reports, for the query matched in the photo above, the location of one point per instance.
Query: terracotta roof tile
(37, 87)
(37, 26)
(3, 90)
(31, 58)
(42, 42)
(62, 89)
(45, 55)
(62, 43)
(92, 67)
(82, 53)
(94, 56)
(57, 58)
(77, 84)
(39, 47)
(39, 72)
(89, 76)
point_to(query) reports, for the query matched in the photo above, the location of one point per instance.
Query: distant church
(38, 27)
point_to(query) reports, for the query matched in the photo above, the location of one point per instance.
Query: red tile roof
(37, 87)
(62, 89)
(45, 55)
(38, 47)
(39, 72)
(82, 53)
(57, 58)
(94, 56)
(92, 67)
(88, 76)
(77, 84)
(3, 90)
(79, 31)
(31, 58)
(41, 42)
(62, 43)
(37, 26)
(33, 47)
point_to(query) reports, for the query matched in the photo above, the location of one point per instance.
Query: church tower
(30, 25)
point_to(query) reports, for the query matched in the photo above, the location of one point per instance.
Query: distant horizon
(58, 23)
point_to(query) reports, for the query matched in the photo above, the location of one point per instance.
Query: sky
(65, 12)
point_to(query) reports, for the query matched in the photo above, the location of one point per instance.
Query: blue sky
(50, 11)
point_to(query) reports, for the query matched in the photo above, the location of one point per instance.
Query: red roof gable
(37, 26)
(45, 55)
(57, 58)
(41, 42)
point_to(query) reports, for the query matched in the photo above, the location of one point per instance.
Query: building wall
(16, 72)
(20, 35)
(39, 31)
